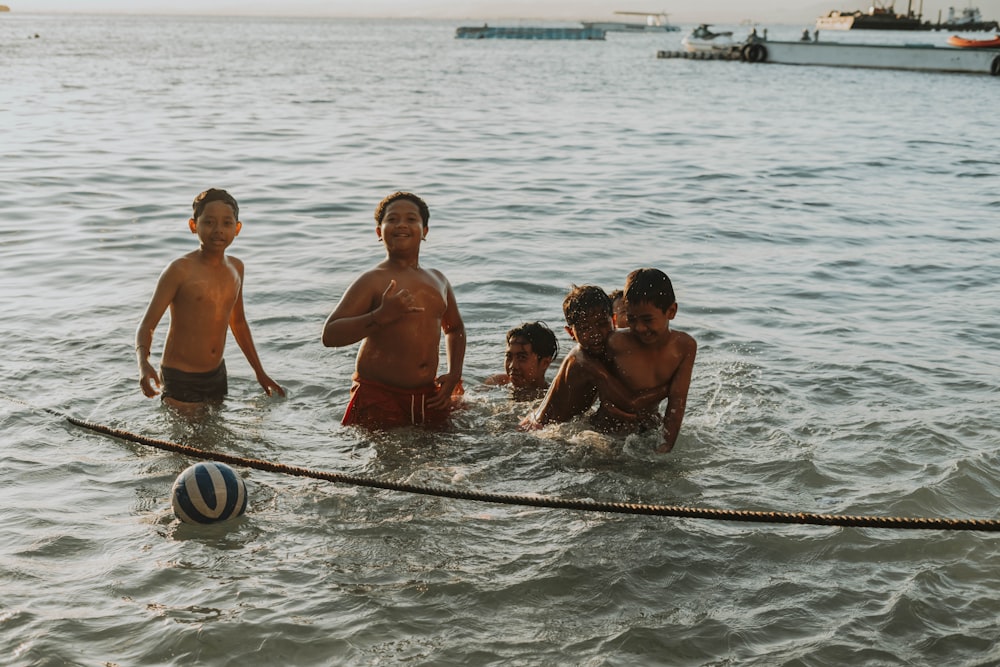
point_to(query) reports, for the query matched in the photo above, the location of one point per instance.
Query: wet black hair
(650, 286)
(543, 341)
(584, 299)
(214, 194)
(425, 213)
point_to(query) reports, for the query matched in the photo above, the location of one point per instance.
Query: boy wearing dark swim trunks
(398, 310)
(204, 292)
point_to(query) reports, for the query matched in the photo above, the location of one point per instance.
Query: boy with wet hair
(618, 309)
(399, 309)
(651, 355)
(531, 347)
(204, 292)
(584, 374)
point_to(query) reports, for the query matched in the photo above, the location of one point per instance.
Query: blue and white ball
(208, 492)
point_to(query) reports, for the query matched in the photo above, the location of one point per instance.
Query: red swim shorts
(379, 406)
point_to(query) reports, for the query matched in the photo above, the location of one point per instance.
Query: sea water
(832, 238)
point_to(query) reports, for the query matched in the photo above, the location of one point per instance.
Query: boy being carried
(204, 291)
(398, 309)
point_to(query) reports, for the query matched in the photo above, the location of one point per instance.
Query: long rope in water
(752, 516)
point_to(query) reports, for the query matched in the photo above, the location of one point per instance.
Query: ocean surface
(832, 237)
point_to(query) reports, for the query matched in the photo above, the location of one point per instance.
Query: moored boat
(919, 57)
(878, 17)
(653, 23)
(964, 43)
(703, 40)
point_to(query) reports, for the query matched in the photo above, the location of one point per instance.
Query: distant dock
(487, 32)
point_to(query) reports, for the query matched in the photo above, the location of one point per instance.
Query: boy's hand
(270, 386)
(147, 378)
(529, 422)
(396, 303)
(448, 386)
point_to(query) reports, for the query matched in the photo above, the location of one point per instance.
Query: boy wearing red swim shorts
(398, 310)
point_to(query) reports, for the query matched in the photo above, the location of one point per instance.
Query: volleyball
(208, 492)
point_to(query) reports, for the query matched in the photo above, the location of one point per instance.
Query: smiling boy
(204, 292)
(584, 373)
(399, 309)
(650, 354)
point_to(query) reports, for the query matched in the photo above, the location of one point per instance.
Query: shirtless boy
(531, 347)
(584, 373)
(399, 310)
(204, 292)
(618, 309)
(650, 355)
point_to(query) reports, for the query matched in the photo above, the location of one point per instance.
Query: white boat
(652, 23)
(703, 40)
(920, 57)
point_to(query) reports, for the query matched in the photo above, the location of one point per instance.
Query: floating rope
(751, 516)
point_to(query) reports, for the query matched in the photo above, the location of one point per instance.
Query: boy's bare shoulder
(683, 341)
(622, 340)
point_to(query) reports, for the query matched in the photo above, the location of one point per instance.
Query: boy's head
(211, 195)
(618, 309)
(421, 205)
(531, 347)
(588, 317)
(649, 304)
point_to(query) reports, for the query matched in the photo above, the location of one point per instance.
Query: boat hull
(906, 57)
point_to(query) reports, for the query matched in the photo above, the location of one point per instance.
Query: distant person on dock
(805, 36)
(531, 347)
(204, 292)
(399, 309)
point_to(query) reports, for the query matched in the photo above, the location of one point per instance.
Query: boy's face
(216, 227)
(591, 331)
(647, 322)
(525, 368)
(618, 315)
(401, 225)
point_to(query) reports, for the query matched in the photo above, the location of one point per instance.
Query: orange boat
(994, 43)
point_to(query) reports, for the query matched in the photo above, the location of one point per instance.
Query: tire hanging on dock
(754, 53)
(995, 67)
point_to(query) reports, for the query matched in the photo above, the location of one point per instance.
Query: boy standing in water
(583, 374)
(649, 362)
(531, 347)
(650, 355)
(398, 310)
(204, 291)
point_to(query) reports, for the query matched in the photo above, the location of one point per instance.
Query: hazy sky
(711, 11)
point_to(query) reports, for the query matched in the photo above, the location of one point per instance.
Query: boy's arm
(361, 310)
(163, 295)
(571, 393)
(454, 342)
(677, 398)
(612, 391)
(241, 332)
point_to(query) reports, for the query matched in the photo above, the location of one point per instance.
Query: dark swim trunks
(379, 406)
(195, 387)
